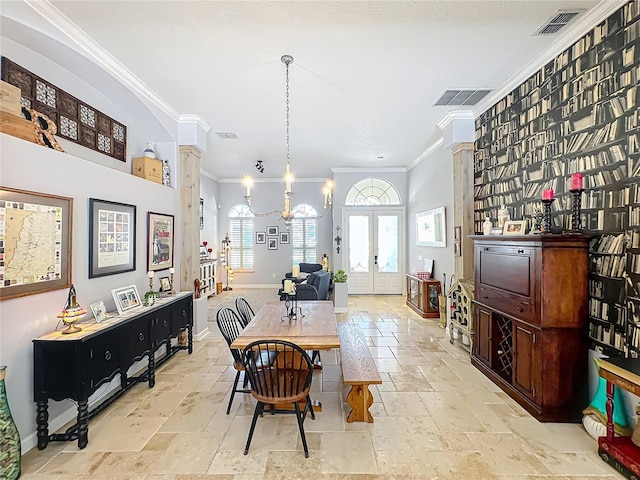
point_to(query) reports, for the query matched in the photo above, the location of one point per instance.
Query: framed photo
(431, 228)
(457, 232)
(261, 237)
(284, 237)
(159, 241)
(112, 238)
(201, 211)
(512, 227)
(273, 231)
(126, 298)
(457, 248)
(272, 243)
(41, 261)
(165, 284)
(99, 311)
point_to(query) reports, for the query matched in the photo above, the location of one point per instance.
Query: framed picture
(41, 261)
(273, 231)
(159, 241)
(261, 237)
(126, 298)
(99, 311)
(284, 237)
(431, 228)
(112, 238)
(457, 248)
(201, 210)
(457, 232)
(165, 284)
(513, 227)
(272, 243)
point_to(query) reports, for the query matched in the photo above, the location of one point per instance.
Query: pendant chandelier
(286, 213)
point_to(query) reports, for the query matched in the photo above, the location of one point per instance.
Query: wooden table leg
(42, 423)
(609, 407)
(360, 399)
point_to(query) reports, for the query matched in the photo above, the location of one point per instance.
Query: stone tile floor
(436, 417)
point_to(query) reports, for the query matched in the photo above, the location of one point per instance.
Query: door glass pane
(359, 243)
(388, 243)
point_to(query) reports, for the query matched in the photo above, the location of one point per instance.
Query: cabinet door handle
(485, 296)
(165, 323)
(184, 313)
(107, 355)
(520, 250)
(519, 309)
(141, 337)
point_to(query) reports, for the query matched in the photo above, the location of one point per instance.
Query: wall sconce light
(338, 239)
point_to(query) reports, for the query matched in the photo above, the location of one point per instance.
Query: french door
(375, 253)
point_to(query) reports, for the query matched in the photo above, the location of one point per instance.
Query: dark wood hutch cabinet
(422, 296)
(530, 314)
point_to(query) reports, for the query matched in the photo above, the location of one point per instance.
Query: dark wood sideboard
(74, 366)
(530, 314)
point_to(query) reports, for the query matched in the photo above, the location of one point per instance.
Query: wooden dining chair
(244, 310)
(285, 380)
(230, 326)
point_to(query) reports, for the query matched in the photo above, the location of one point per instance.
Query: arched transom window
(304, 234)
(373, 191)
(241, 231)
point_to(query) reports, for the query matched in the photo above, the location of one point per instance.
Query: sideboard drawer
(509, 304)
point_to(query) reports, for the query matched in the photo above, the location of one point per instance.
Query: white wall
(28, 166)
(431, 186)
(271, 265)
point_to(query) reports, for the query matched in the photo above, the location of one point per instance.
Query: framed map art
(112, 238)
(35, 242)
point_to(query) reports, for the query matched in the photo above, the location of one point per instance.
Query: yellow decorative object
(71, 313)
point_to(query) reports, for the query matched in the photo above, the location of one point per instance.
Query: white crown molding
(188, 118)
(273, 180)
(99, 55)
(456, 115)
(573, 32)
(369, 169)
(428, 151)
(209, 175)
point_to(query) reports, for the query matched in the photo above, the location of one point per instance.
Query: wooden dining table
(314, 327)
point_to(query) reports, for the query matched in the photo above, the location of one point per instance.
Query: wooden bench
(358, 370)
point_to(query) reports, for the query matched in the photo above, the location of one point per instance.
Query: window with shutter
(304, 235)
(241, 232)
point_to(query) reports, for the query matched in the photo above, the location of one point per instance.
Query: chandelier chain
(287, 97)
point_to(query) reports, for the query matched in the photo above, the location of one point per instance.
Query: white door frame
(401, 234)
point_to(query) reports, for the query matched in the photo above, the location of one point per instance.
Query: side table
(620, 452)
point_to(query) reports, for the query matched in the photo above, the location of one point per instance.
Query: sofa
(316, 287)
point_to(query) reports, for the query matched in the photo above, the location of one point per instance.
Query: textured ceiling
(363, 85)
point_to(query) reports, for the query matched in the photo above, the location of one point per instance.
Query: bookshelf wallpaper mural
(578, 114)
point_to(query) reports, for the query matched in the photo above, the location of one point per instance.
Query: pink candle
(547, 194)
(576, 181)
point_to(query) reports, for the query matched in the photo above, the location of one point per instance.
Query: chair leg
(256, 413)
(245, 380)
(310, 407)
(301, 427)
(233, 391)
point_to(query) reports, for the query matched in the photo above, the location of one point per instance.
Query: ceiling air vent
(559, 20)
(226, 135)
(462, 97)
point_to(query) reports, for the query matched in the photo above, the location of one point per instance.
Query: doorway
(375, 249)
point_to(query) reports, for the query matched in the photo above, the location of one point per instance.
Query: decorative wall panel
(76, 121)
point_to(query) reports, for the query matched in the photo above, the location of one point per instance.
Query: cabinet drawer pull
(520, 250)
(107, 355)
(485, 296)
(165, 323)
(184, 313)
(141, 337)
(519, 309)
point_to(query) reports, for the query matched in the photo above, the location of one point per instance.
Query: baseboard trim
(204, 333)
(340, 309)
